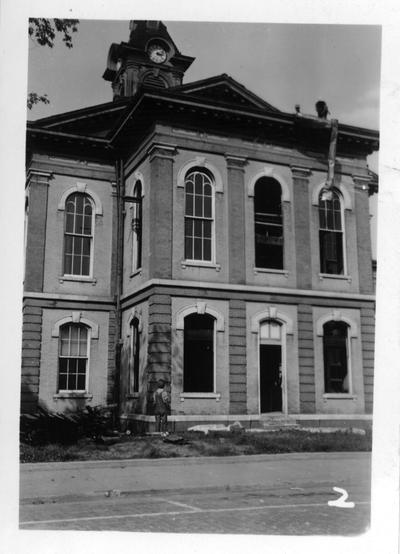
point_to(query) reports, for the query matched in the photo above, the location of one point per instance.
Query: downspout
(120, 182)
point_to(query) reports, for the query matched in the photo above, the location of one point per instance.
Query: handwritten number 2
(342, 501)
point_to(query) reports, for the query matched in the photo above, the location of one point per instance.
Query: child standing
(161, 399)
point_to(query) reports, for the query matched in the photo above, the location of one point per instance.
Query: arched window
(336, 357)
(198, 215)
(331, 233)
(73, 357)
(137, 228)
(198, 372)
(78, 235)
(268, 224)
(135, 357)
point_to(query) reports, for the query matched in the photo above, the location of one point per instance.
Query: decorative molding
(98, 208)
(134, 313)
(210, 285)
(162, 150)
(202, 162)
(199, 308)
(271, 313)
(269, 171)
(300, 172)
(55, 332)
(336, 315)
(340, 189)
(235, 162)
(361, 182)
(138, 176)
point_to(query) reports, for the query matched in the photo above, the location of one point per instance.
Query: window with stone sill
(268, 224)
(336, 358)
(331, 233)
(78, 235)
(73, 358)
(198, 365)
(199, 217)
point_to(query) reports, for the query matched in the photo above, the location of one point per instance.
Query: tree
(44, 32)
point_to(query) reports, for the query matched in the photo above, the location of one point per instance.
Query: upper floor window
(78, 235)
(199, 220)
(336, 356)
(331, 236)
(73, 357)
(137, 228)
(268, 224)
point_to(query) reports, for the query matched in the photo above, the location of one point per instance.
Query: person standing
(161, 399)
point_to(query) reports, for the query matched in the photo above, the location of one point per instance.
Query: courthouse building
(187, 232)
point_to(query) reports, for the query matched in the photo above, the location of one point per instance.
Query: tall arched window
(270, 366)
(331, 233)
(73, 357)
(137, 228)
(135, 357)
(198, 372)
(78, 235)
(336, 357)
(268, 224)
(198, 215)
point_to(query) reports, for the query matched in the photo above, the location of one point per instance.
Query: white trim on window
(340, 188)
(271, 313)
(336, 315)
(82, 188)
(199, 308)
(75, 317)
(269, 171)
(200, 162)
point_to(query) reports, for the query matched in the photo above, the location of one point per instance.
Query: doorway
(270, 378)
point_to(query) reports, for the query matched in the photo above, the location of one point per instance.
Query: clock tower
(149, 59)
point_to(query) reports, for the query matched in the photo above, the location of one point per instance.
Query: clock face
(157, 54)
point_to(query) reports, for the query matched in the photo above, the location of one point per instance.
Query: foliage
(44, 32)
(195, 444)
(34, 98)
(46, 427)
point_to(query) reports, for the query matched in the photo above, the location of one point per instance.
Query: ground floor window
(73, 357)
(135, 357)
(336, 357)
(198, 372)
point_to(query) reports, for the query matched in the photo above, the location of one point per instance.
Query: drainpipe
(119, 168)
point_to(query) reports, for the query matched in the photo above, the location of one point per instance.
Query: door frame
(282, 344)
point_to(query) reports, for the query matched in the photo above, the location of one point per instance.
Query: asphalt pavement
(263, 494)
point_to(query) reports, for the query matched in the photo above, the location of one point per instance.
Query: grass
(195, 444)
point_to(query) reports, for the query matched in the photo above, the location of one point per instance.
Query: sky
(285, 64)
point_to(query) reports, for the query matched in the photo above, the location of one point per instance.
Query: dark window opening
(198, 373)
(137, 223)
(135, 357)
(268, 224)
(335, 357)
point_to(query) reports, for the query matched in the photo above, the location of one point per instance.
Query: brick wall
(306, 359)
(237, 357)
(31, 349)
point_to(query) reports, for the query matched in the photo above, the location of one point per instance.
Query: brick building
(188, 231)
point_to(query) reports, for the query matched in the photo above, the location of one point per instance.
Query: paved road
(278, 494)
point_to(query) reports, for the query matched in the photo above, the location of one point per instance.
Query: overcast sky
(285, 64)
